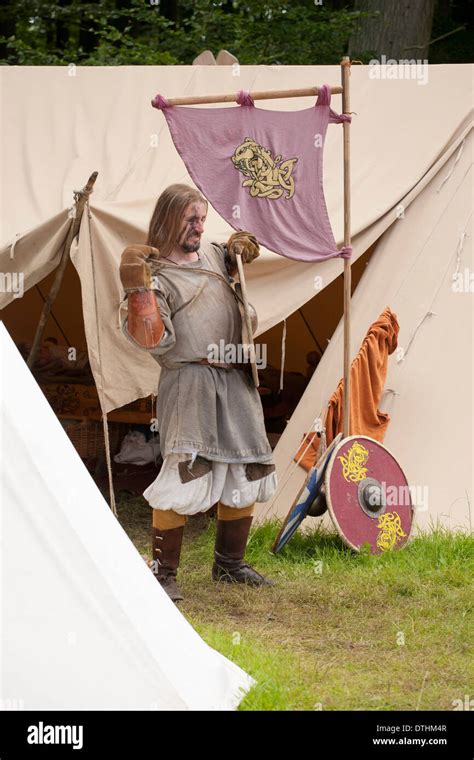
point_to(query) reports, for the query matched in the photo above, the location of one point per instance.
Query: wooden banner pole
(345, 78)
(262, 95)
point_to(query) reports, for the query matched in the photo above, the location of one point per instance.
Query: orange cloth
(368, 375)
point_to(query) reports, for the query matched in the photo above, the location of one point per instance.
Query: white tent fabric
(85, 625)
(430, 380)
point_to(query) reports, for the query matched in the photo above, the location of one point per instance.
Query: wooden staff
(345, 77)
(262, 95)
(248, 322)
(80, 201)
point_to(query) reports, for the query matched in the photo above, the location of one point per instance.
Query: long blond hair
(167, 217)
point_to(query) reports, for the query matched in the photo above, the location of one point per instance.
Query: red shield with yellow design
(368, 496)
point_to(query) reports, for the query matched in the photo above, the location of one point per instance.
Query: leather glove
(145, 324)
(244, 244)
(135, 272)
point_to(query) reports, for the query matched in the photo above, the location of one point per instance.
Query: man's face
(192, 227)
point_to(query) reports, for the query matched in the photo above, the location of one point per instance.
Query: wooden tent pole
(345, 78)
(38, 290)
(80, 198)
(311, 331)
(261, 95)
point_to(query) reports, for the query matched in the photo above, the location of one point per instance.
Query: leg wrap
(231, 513)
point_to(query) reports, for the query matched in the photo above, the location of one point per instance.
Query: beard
(190, 247)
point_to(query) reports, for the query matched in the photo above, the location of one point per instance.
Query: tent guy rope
(100, 391)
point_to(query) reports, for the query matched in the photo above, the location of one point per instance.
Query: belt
(243, 366)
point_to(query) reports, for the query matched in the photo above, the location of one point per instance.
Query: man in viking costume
(182, 303)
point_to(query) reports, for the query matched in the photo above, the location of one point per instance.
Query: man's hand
(242, 244)
(135, 272)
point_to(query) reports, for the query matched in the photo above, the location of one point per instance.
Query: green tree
(117, 32)
(154, 32)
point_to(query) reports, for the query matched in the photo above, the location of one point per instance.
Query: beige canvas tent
(429, 384)
(411, 199)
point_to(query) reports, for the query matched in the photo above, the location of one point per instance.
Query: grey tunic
(214, 412)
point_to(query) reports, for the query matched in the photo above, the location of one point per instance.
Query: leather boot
(166, 553)
(231, 540)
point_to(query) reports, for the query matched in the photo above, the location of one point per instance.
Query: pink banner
(262, 170)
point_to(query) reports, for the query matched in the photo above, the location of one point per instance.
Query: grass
(339, 631)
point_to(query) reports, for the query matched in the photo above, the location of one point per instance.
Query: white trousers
(188, 484)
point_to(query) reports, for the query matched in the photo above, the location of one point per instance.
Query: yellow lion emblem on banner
(353, 464)
(268, 177)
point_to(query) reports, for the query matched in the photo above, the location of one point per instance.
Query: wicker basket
(87, 437)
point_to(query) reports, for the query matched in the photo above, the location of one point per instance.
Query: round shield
(368, 496)
(309, 500)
